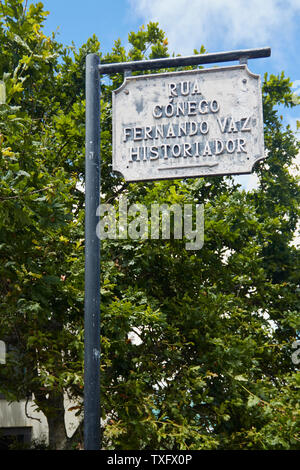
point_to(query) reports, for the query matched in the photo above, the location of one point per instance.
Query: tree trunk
(52, 405)
(58, 438)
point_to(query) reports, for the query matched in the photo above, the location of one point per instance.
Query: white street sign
(188, 124)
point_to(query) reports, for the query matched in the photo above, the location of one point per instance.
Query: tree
(41, 232)
(212, 368)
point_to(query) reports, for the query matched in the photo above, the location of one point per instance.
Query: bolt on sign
(188, 124)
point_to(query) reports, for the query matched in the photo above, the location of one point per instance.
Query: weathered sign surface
(188, 124)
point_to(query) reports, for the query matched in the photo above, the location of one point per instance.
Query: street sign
(188, 124)
(175, 125)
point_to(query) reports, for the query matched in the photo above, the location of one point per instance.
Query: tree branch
(26, 412)
(25, 194)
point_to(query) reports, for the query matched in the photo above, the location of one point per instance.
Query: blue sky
(219, 25)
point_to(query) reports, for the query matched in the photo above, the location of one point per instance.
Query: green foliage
(212, 368)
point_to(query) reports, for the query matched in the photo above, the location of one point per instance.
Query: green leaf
(253, 400)
(241, 378)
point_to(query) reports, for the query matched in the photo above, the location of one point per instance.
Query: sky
(220, 25)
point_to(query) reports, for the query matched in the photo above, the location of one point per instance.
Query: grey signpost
(171, 125)
(92, 258)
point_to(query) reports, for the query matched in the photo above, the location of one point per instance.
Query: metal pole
(199, 59)
(92, 258)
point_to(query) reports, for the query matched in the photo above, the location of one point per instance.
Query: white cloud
(229, 23)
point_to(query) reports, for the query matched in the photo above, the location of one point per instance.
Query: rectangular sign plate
(188, 124)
